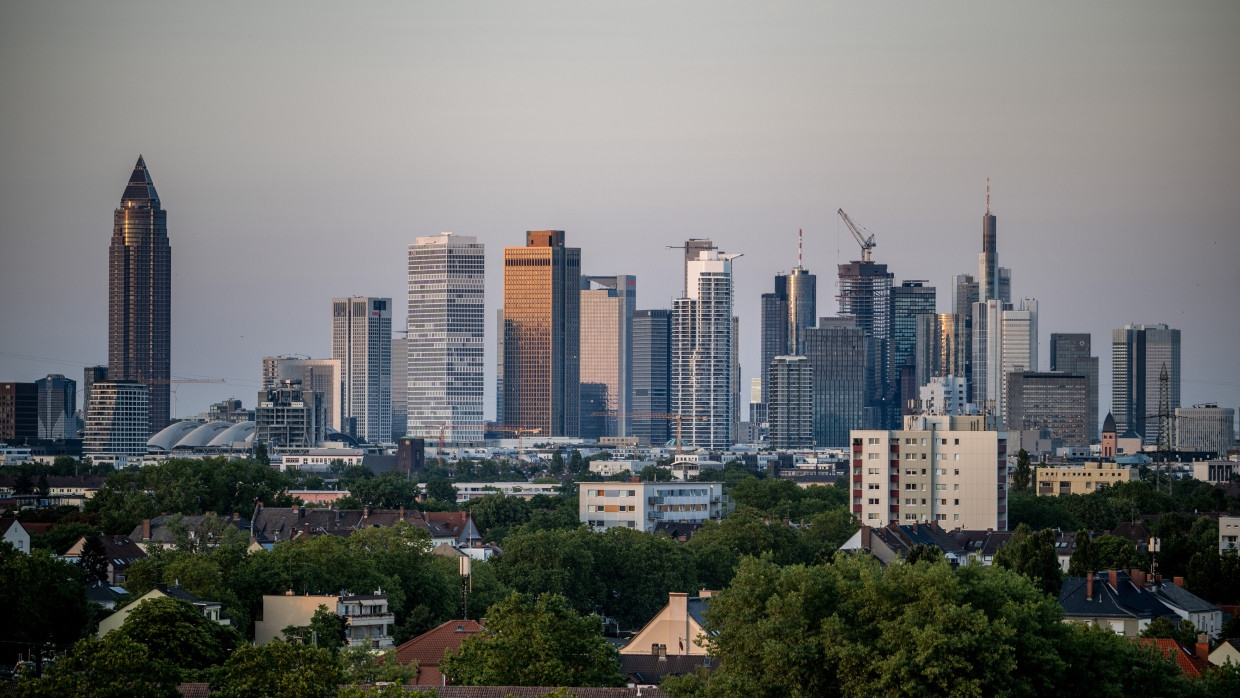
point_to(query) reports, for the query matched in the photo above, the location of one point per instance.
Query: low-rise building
(1214, 471)
(428, 649)
(608, 468)
(119, 551)
(209, 609)
(466, 491)
(368, 619)
(15, 534)
(1054, 481)
(1112, 600)
(1205, 428)
(641, 505)
(1228, 534)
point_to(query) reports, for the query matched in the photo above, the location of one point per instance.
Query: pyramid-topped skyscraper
(140, 293)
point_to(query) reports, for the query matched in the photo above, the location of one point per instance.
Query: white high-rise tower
(445, 341)
(702, 350)
(362, 342)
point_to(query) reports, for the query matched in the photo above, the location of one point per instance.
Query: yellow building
(1080, 479)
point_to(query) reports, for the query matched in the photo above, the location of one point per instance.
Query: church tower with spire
(140, 294)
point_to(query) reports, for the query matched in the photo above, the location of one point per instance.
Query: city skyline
(1110, 162)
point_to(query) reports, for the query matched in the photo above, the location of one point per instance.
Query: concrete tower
(362, 343)
(703, 368)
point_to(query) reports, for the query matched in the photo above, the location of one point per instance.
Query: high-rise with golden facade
(541, 342)
(140, 294)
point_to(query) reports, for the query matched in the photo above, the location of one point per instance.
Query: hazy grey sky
(299, 147)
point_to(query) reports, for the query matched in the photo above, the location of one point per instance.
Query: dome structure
(239, 433)
(168, 437)
(201, 436)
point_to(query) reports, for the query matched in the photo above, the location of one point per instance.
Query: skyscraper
(607, 354)
(116, 420)
(446, 323)
(90, 376)
(865, 294)
(791, 406)
(19, 411)
(838, 351)
(1004, 340)
(400, 387)
(786, 315)
(1054, 402)
(703, 364)
(1138, 354)
(541, 344)
(942, 347)
(57, 404)
(362, 343)
(909, 301)
(140, 294)
(652, 374)
(1070, 353)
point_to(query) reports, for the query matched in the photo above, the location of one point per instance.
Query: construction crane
(867, 243)
(678, 418)
(520, 431)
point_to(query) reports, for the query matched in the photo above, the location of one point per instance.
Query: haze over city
(299, 149)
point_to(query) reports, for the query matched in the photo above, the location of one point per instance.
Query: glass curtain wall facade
(652, 374)
(362, 343)
(909, 301)
(445, 339)
(117, 419)
(140, 295)
(607, 354)
(1070, 353)
(323, 376)
(57, 404)
(1138, 354)
(838, 354)
(865, 294)
(541, 345)
(791, 406)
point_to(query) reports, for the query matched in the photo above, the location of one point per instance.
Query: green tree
(557, 464)
(1084, 560)
(176, 632)
(114, 667)
(326, 630)
(653, 473)
(576, 464)
(278, 670)
(360, 666)
(261, 455)
(440, 489)
(828, 531)
(719, 546)
(541, 642)
(1181, 630)
(93, 560)
(1115, 553)
(496, 514)
(1033, 555)
(1023, 477)
(44, 600)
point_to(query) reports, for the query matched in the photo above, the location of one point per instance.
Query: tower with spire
(140, 294)
(787, 314)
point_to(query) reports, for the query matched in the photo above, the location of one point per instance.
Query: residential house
(196, 530)
(1055, 481)
(672, 643)
(532, 692)
(209, 609)
(15, 534)
(1191, 664)
(273, 524)
(105, 595)
(368, 619)
(641, 505)
(1227, 651)
(1204, 616)
(1113, 600)
(120, 551)
(1228, 534)
(428, 649)
(887, 543)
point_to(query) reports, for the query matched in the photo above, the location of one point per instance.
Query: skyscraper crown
(140, 192)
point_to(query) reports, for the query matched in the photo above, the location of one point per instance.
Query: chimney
(1203, 646)
(296, 511)
(402, 513)
(1158, 580)
(706, 594)
(1138, 577)
(1089, 586)
(678, 604)
(146, 529)
(366, 511)
(288, 592)
(1113, 577)
(236, 516)
(1178, 581)
(865, 537)
(654, 649)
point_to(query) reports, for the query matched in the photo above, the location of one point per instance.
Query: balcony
(895, 509)
(357, 620)
(856, 508)
(895, 477)
(856, 493)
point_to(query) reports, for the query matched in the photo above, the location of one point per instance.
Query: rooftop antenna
(988, 196)
(800, 236)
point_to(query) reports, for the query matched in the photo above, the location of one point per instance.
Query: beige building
(1228, 534)
(676, 630)
(210, 609)
(948, 469)
(1054, 481)
(367, 617)
(641, 505)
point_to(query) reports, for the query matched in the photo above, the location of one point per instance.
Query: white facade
(362, 343)
(607, 468)
(1004, 340)
(445, 339)
(946, 395)
(702, 351)
(116, 419)
(946, 469)
(1228, 534)
(641, 505)
(1206, 428)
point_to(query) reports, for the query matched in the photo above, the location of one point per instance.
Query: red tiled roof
(1191, 666)
(428, 648)
(194, 690)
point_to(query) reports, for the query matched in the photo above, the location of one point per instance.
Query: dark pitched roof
(428, 648)
(273, 524)
(697, 607)
(984, 543)
(649, 669)
(1108, 424)
(1135, 532)
(1183, 599)
(161, 530)
(121, 550)
(1122, 600)
(141, 189)
(177, 592)
(681, 531)
(194, 690)
(100, 592)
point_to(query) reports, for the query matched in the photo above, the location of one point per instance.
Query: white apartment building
(445, 341)
(1228, 534)
(703, 344)
(938, 468)
(641, 505)
(1208, 428)
(116, 421)
(946, 395)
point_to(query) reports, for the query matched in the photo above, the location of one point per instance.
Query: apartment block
(641, 505)
(939, 468)
(1081, 479)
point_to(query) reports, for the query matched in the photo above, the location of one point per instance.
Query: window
(873, 500)
(940, 487)
(873, 486)
(956, 487)
(943, 502)
(957, 442)
(872, 471)
(955, 517)
(957, 472)
(590, 509)
(923, 456)
(871, 456)
(940, 517)
(910, 501)
(872, 440)
(956, 502)
(871, 515)
(923, 441)
(956, 456)
(942, 471)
